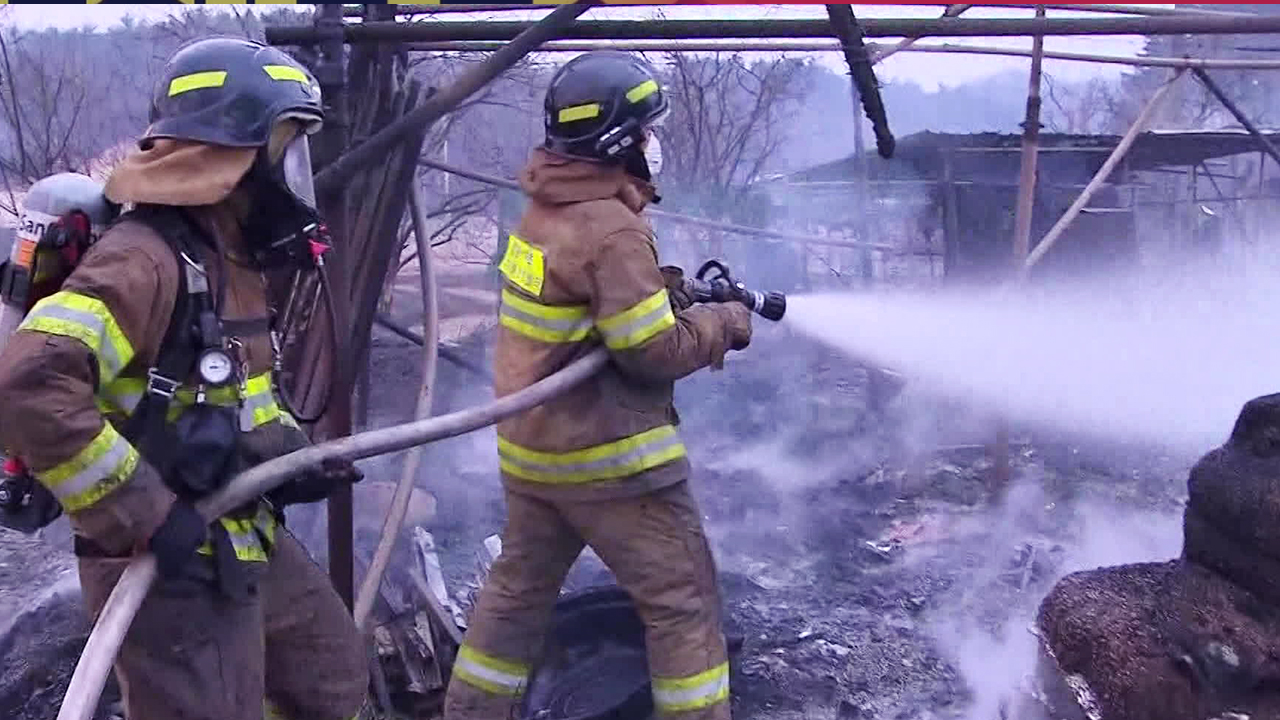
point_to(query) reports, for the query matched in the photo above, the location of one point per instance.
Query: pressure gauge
(215, 367)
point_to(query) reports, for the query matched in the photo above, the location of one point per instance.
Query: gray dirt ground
(873, 574)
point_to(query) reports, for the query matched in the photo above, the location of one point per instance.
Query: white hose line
(113, 622)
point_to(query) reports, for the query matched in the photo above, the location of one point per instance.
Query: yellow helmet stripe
(197, 81)
(642, 91)
(579, 112)
(285, 72)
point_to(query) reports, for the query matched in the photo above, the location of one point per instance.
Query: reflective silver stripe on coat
(104, 349)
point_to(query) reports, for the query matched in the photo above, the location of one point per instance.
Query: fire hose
(126, 598)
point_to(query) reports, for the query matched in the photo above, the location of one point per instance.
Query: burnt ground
(868, 561)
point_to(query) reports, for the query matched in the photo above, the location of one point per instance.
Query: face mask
(653, 154)
(296, 166)
(283, 216)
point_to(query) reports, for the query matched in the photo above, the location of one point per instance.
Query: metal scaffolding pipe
(674, 217)
(1126, 9)
(1100, 8)
(878, 51)
(441, 103)
(126, 597)
(790, 28)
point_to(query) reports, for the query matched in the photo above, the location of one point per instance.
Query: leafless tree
(46, 101)
(727, 123)
(1085, 108)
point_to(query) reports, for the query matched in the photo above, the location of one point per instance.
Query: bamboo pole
(674, 217)
(878, 51)
(1002, 469)
(1030, 143)
(789, 28)
(1235, 110)
(1103, 173)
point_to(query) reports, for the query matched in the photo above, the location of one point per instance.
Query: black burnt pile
(1194, 637)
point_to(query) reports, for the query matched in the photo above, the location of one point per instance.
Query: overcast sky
(929, 70)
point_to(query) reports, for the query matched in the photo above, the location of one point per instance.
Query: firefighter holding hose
(601, 465)
(145, 383)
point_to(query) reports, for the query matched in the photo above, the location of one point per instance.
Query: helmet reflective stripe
(579, 112)
(285, 72)
(642, 91)
(246, 88)
(196, 81)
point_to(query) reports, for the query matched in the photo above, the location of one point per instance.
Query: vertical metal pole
(332, 79)
(862, 188)
(950, 217)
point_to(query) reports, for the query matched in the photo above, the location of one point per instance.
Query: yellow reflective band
(642, 91)
(197, 81)
(251, 538)
(638, 323)
(618, 459)
(256, 400)
(579, 112)
(523, 265)
(102, 466)
(88, 320)
(122, 395)
(285, 72)
(546, 323)
(692, 693)
(491, 674)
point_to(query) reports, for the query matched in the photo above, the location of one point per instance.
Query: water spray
(722, 287)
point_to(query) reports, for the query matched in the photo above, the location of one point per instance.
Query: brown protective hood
(179, 172)
(558, 180)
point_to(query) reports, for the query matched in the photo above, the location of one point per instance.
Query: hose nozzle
(768, 305)
(722, 287)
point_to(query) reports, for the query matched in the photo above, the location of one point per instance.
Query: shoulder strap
(180, 348)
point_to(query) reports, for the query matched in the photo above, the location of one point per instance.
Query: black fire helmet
(228, 91)
(599, 104)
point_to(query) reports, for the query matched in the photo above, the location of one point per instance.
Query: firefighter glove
(177, 539)
(673, 277)
(316, 484)
(737, 324)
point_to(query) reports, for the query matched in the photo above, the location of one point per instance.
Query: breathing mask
(653, 154)
(282, 219)
(645, 162)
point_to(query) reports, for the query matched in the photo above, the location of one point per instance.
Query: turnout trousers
(289, 649)
(655, 546)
